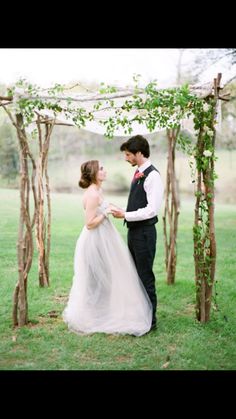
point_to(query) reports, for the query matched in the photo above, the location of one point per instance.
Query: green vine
(34, 102)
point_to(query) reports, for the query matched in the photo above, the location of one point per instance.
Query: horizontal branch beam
(6, 98)
(88, 98)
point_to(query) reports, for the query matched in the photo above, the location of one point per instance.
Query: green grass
(179, 343)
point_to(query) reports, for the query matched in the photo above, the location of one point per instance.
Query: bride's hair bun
(89, 171)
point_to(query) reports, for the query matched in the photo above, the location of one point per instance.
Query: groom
(144, 202)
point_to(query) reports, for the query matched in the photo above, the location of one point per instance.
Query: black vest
(138, 199)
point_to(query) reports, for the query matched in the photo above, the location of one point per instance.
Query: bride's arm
(91, 217)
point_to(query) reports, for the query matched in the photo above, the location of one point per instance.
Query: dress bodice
(101, 207)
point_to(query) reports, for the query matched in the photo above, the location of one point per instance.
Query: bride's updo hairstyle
(89, 171)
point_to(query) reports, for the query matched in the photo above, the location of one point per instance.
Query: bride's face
(102, 174)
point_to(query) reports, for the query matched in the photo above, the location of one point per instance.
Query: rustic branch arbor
(112, 109)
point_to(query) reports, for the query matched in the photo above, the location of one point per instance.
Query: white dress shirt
(154, 189)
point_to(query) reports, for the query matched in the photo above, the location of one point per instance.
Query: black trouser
(142, 245)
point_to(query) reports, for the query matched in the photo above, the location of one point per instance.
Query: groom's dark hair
(135, 144)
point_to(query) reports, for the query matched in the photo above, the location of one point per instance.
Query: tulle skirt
(107, 294)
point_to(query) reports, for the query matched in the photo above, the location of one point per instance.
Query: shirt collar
(144, 166)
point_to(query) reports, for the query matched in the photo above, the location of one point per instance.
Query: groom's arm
(154, 189)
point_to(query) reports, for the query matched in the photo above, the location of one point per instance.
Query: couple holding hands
(113, 289)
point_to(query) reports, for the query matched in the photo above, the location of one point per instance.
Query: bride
(107, 294)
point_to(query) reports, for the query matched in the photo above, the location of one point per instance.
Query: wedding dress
(107, 294)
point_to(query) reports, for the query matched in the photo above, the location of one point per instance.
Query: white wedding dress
(107, 294)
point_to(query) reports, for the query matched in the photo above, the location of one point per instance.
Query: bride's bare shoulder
(90, 195)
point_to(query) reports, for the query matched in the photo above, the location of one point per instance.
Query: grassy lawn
(179, 343)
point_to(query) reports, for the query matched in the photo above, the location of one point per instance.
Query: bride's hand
(110, 208)
(118, 213)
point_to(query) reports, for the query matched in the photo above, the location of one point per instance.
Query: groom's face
(131, 158)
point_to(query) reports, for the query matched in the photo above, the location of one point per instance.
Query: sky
(116, 66)
(46, 67)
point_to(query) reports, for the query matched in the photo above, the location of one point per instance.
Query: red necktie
(135, 173)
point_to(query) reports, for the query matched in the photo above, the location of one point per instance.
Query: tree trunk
(43, 225)
(171, 210)
(204, 239)
(25, 239)
(204, 226)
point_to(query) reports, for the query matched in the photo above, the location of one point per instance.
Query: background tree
(9, 154)
(201, 60)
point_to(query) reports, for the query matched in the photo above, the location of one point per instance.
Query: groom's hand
(118, 213)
